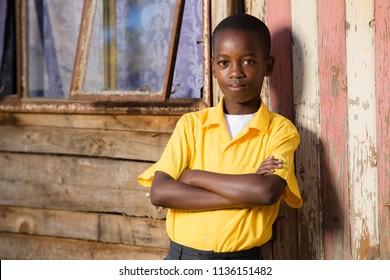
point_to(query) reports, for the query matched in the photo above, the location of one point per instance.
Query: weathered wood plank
(361, 126)
(281, 81)
(334, 124)
(382, 61)
(258, 9)
(307, 106)
(72, 170)
(28, 247)
(281, 98)
(145, 123)
(83, 142)
(76, 198)
(53, 175)
(84, 226)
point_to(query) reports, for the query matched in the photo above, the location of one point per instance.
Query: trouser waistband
(180, 252)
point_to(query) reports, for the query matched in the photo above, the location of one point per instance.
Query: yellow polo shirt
(201, 141)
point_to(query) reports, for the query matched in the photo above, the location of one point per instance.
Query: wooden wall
(67, 181)
(332, 80)
(68, 188)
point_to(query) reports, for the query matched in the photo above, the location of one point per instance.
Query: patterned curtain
(7, 48)
(53, 29)
(143, 30)
(189, 68)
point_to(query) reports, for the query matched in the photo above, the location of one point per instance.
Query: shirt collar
(260, 121)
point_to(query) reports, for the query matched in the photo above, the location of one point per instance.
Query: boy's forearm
(246, 189)
(169, 193)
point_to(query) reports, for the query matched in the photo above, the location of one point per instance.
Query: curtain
(7, 48)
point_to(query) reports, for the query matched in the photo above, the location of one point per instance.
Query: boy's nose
(236, 71)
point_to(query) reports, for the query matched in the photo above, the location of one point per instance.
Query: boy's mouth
(236, 85)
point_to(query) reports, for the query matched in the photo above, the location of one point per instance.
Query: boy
(226, 168)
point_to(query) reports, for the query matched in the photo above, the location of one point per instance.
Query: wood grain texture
(307, 119)
(334, 128)
(162, 124)
(72, 170)
(30, 247)
(147, 146)
(90, 226)
(361, 130)
(382, 62)
(281, 81)
(285, 244)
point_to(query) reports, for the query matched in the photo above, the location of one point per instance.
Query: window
(106, 56)
(52, 28)
(7, 49)
(140, 42)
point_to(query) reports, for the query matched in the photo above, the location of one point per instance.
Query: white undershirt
(235, 123)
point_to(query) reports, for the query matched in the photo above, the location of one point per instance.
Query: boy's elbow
(158, 191)
(271, 193)
(275, 189)
(272, 198)
(156, 198)
(266, 198)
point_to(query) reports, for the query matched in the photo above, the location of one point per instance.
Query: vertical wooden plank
(281, 80)
(307, 106)
(361, 126)
(285, 245)
(258, 9)
(382, 43)
(334, 122)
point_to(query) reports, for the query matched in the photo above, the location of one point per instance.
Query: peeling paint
(366, 250)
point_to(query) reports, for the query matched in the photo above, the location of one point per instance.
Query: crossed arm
(203, 190)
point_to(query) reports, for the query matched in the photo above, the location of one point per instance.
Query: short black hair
(246, 22)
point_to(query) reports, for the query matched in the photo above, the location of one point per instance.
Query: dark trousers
(180, 252)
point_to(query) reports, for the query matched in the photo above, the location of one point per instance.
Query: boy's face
(240, 65)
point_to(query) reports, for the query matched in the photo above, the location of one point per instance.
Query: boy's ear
(270, 66)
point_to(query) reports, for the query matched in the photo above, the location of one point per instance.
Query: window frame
(75, 104)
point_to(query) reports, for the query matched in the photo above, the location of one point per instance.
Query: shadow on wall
(302, 234)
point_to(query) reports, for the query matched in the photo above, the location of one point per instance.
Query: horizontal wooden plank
(30, 247)
(72, 170)
(84, 226)
(76, 198)
(146, 123)
(85, 142)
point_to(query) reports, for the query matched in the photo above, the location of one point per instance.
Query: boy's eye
(248, 62)
(222, 63)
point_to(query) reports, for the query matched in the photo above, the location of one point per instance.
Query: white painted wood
(307, 107)
(362, 129)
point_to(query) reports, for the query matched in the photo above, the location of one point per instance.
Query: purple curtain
(7, 48)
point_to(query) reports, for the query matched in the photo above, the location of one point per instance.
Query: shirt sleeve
(286, 141)
(174, 158)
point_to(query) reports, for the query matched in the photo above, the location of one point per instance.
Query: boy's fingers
(262, 172)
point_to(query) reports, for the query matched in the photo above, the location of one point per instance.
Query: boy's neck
(247, 108)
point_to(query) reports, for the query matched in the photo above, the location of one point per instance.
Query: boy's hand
(269, 165)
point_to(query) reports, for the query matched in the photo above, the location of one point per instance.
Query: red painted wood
(281, 80)
(333, 135)
(285, 243)
(382, 52)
